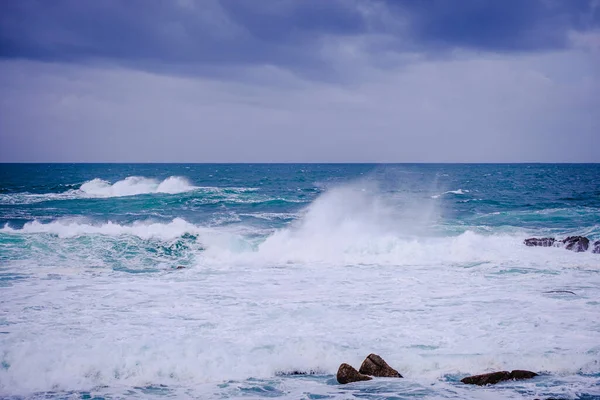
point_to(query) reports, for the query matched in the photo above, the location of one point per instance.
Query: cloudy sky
(300, 81)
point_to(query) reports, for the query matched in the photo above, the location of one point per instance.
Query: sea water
(226, 281)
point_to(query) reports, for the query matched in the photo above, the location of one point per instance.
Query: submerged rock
(376, 366)
(596, 248)
(560, 291)
(540, 242)
(576, 243)
(298, 372)
(500, 376)
(347, 374)
(520, 374)
(180, 267)
(487, 379)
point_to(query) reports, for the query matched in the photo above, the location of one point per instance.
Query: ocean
(239, 281)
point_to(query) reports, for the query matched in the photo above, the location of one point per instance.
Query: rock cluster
(573, 243)
(372, 366)
(376, 366)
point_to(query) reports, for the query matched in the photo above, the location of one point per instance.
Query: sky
(300, 81)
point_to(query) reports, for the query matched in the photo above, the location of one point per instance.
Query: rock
(298, 372)
(180, 267)
(495, 377)
(347, 374)
(540, 242)
(576, 243)
(376, 366)
(560, 291)
(596, 248)
(487, 379)
(520, 374)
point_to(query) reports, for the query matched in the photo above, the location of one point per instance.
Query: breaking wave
(134, 185)
(348, 225)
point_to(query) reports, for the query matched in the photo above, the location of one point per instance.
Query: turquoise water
(295, 267)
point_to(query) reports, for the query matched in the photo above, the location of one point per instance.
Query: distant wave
(458, 191)
(130, 186)
(134, 185)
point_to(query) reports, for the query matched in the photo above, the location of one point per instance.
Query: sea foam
(356, 271)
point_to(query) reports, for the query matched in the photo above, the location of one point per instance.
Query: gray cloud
(471, 108)
(306, 81)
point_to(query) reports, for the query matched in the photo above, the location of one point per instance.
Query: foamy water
(94, 306)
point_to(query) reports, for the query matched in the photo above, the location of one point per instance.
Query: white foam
(354, 274)
(201, 327)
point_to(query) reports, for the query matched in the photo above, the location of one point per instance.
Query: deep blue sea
(214, 281)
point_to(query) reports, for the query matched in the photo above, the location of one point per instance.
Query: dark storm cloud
(507, 25)
(166, 35)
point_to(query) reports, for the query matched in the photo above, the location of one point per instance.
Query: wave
(457, 192)
(69, 228)
(345, 226)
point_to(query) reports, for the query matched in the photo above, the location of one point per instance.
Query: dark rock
(596, 248)
(540, 242)
(487, 379)
(576, 243)
(560, 291)
(376, 366)
(495, 377)
(297, 372)
(553, 398)
(180, 267)
(519, 374)
(347, 374)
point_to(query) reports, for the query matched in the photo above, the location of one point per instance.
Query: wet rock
(576, 243)
(500, 376)
(520, 374)
(596, 248)
(487, 379)
(298, 372)
(553, 398)
(347, 374)
(376, 366)
(180, 267)
(560, 291)
(540, 242)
